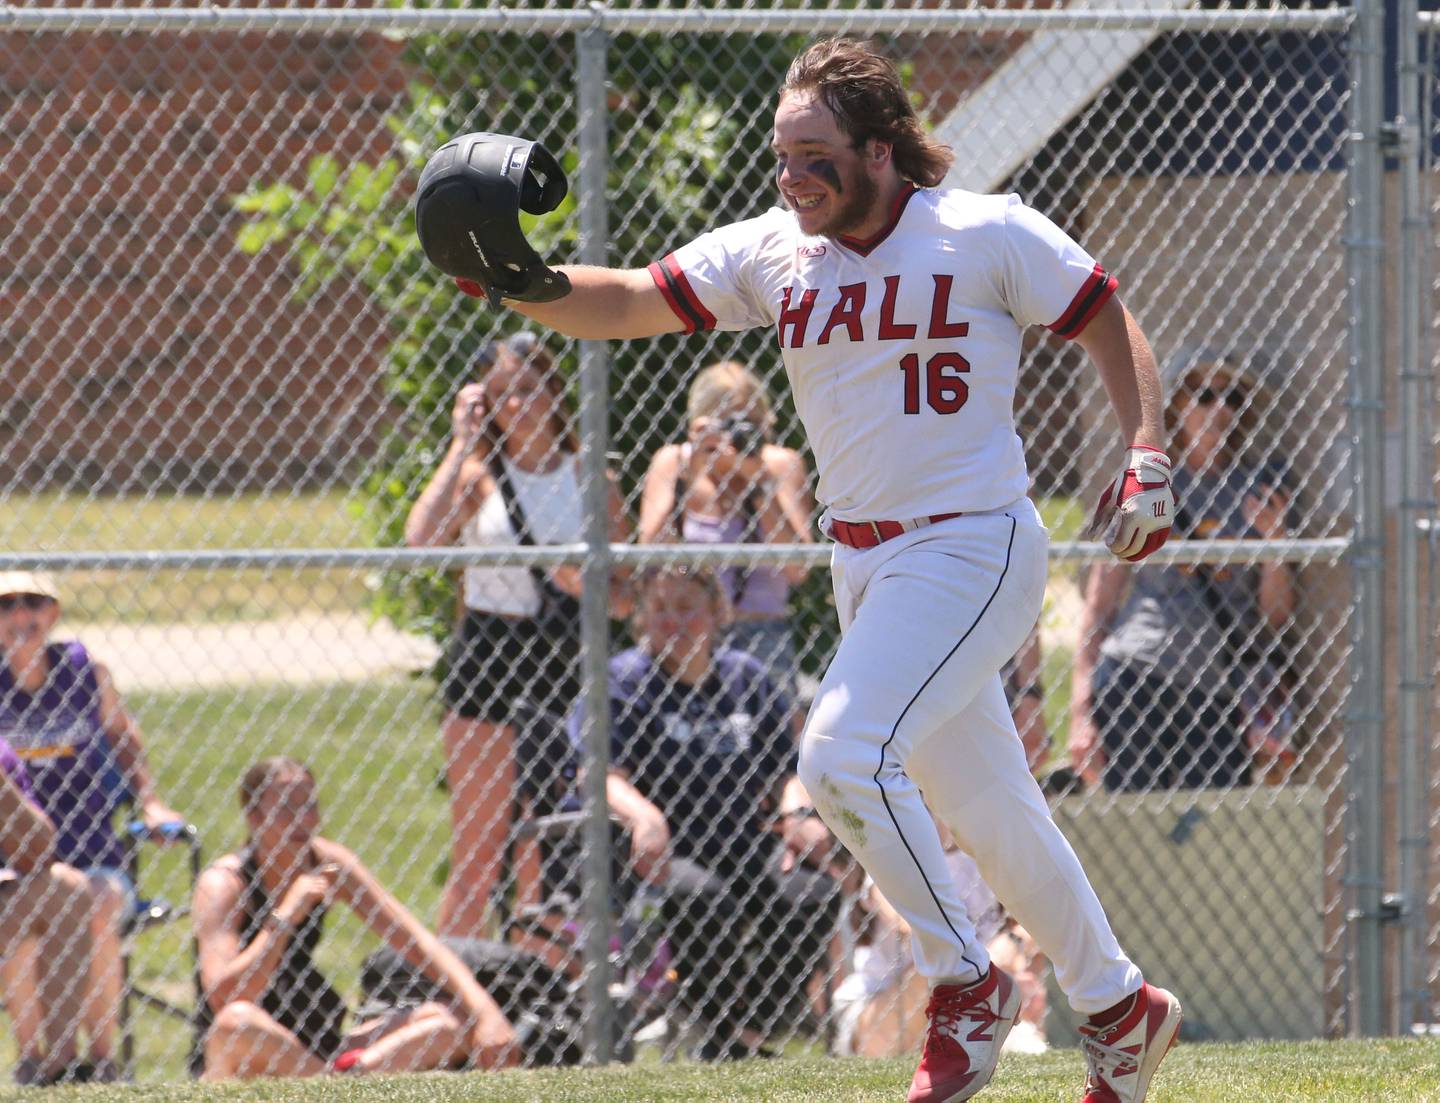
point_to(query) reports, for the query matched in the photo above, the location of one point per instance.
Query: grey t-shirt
(1169, 619)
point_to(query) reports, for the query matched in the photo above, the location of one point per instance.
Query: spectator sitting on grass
(60, 711)
(259, 915)
(702, 763)
(42, 903)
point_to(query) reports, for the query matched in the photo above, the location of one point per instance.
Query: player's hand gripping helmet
(467, 215)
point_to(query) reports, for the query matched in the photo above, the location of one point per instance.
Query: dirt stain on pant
(835, 811)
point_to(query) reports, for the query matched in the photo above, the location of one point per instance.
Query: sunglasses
(1208, 396)
(33, 602)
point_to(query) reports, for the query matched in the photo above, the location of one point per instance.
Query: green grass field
(1326, 1072)
(60, 523)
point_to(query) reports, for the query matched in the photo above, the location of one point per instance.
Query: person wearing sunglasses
(1176, 681)
(61, 712)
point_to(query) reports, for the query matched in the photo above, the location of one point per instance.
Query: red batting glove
(472, 287)
(1136, 511)
(479, 291)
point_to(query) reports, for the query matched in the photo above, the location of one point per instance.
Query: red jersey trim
(1094, 293)
(869, 244)
(679, 295)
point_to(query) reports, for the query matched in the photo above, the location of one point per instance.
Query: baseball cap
(29, 582)
(1249, 368)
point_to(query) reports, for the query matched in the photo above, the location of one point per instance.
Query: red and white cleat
(968, 1025)
(1123, 1055)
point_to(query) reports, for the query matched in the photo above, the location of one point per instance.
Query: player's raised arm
(467, 216)
(605, 304)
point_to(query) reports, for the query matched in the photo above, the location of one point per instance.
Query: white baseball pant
(912, 704)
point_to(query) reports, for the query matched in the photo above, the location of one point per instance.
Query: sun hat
(29, 582)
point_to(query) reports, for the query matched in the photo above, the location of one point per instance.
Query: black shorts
(495, 663)
(313, 1012)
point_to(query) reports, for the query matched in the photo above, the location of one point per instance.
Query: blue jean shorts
(121, 880)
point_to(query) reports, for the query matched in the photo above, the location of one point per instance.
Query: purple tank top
(760, 590)
(58, 735)
(14, 769)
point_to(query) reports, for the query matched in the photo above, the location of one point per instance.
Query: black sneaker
(730, 1049)
(76, 1072)
(26, 1072)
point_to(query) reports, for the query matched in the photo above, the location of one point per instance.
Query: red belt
(867, 534)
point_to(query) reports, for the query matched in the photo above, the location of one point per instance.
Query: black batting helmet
(467, 214)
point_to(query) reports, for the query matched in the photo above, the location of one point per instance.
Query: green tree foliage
(687, 125)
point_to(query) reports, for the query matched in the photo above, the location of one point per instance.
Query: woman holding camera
(727, 484)
(511, 476)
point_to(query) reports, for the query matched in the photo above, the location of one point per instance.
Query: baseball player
(899, 308)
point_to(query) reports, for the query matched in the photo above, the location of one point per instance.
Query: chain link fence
(304, 501)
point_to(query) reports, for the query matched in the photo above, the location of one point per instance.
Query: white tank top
(550, 501)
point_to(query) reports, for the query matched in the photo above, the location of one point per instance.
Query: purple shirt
(58, 735)
(14, 769)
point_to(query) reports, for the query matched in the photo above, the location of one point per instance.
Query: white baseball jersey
(903, 350)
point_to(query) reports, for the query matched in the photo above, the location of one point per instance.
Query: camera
(745, 435)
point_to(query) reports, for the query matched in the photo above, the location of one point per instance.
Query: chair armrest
(136, 832)
(557, 825)
(169, 832)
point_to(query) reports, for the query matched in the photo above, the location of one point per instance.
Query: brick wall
(141, 348)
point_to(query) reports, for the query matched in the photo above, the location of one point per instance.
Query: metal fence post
(592, 45)
(1365, 729)
(1417, 504)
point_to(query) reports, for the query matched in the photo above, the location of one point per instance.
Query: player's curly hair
(864, 92)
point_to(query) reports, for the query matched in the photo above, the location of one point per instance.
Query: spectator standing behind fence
(510, 476)
(728, 484)
(42, 903)
(702, 759)
(259, 914)
(60, 711)
(1174, 684)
